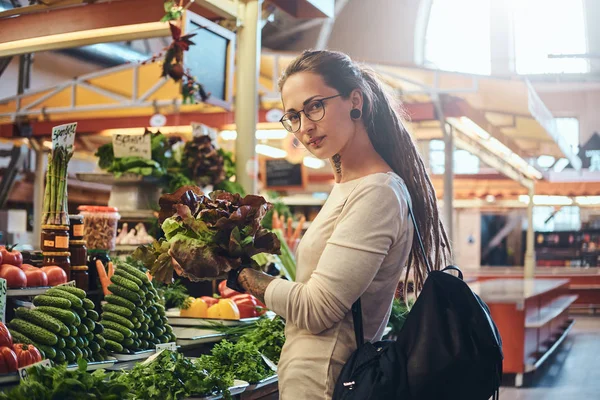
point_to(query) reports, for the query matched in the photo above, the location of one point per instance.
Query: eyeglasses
(314, 110)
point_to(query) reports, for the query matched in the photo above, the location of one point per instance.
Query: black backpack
(448, 348)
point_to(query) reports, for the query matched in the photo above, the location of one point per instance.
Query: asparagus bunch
(55, 196)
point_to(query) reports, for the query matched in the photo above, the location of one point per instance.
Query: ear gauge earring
(355, 113)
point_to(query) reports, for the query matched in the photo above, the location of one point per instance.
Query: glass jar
(100, 226)
(61, 259)
(55, 238)
(93, 256)
(79, 273)
(76, 227)
(78, 252)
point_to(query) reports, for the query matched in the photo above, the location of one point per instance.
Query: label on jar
(49, 243)
(78, 230)
(61, 242)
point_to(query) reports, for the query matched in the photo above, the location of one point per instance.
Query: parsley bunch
(268, 336)
(241, 360)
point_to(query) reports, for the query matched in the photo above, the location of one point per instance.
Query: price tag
(23, 370)
(132, 145)
(166, 346)
(70, 283)
(3, 289)
(64, 136)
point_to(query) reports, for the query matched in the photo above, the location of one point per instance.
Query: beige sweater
(356, 246)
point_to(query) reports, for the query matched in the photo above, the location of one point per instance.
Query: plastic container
(93, 256)
(78, 251)
(55, 238)
(100, 226)
(76, 227)
(81, 276)
(62, 259)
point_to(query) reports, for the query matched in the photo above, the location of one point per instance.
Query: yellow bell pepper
(224, 309)
(198, 309)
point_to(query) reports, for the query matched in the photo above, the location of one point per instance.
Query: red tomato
(15, 277)
(12, 257)
(210, 300)
(56, 275)
(8, 360)
(36, 277)
(5, 336)
(27, 354)
(0, 257)
(29, 267)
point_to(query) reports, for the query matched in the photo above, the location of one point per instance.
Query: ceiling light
(228, 135)
(313, 163)
(587, 200)
(270, 151)
(271, 134)
(490, 198)
(543, 200)
(545, 161)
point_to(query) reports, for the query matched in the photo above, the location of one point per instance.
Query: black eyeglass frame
(306, 114)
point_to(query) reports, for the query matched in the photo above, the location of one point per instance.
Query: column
(530, 245)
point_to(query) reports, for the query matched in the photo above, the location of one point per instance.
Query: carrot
(111, 269)
(149, 276)
(289, 227)
(296, 234)
(275, 221)
(104, 281)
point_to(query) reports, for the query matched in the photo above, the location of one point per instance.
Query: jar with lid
(61, 259)
(100, 226)
(79, 273)
(76, 227)
(78, 252)
(55, 238)
(93, 256)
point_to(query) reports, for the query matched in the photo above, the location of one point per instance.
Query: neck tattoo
(337, 162)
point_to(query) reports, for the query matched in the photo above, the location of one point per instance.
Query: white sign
(23, 370)
(70, 283)
(3, 289)
(274, 115)
(166, 346)
(158, 120)
(132, 145)
(64, 136)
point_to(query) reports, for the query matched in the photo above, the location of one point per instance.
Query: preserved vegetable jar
(62, 259)
(78, 252)
(55, 238)
(76, 227)
(100, 226)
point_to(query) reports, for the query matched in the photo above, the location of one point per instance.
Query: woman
(362, 239)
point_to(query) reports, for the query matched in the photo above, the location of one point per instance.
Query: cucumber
(122, 311)
(65, 316)
(164, 338)
(80, 311)
(137, 325)
(124, 292)
(70, 356)
(158, 331)
(126, 332)
(87, 353)
(121, 272)
(144, 345)
(134, 319)
(135, 272)
(101, 341)
(149, 335)
(150, 297)
(75, 301)
(113, 346)
(108, 316)
(89, 324)
(71, 342)
(73, 290)
(78, 352)
(49, 352)
(83, 329)
(86, 342)
(36, 333)
(120, 301)
(20, 338)
(160, 308)
(50, 301)
(40, 319)
(172, 338)
(128, 342)
(152, 310)
(60, 357)
(93, 315)
(74, 331)
(168, 328)
(88, 304)
(94, 347)
(79, 341)
(144, 327)
(98, 329)
(110, 334)
(89, 336)
(136, 335)
(155, 341)
(61, 343)
(139, 314)
(157, 318)
(98, 357)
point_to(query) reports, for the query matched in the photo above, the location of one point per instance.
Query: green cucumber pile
(62, 326)
(132, 318)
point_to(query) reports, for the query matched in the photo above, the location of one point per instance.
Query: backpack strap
(358, 325)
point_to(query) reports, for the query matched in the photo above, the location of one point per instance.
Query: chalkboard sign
(279, 174)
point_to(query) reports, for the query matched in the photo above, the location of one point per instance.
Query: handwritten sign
(3, 289)
(132, 145)
(64, 136)
(172, 346)
(23, 375)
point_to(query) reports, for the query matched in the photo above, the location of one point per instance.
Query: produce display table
(583, 282)
(532, 317)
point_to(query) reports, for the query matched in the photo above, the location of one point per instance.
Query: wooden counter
(532, 317)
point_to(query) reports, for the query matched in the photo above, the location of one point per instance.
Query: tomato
(0, 257)
(56, 275)
(36, 277)
(27, 354)
(28, 267)
(8, 360)
(209, 300)
(15, 277)
(225, 291)
(12, 257)
(5, 336)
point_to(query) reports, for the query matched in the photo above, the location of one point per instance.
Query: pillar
(530, 244)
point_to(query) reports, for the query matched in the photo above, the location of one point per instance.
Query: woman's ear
(356, 97)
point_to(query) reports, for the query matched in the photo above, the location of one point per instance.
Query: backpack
(448, 348)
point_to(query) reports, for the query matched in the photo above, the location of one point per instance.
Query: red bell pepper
(209, 300)
(259, 303)
(225, 292)
(8, 360)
